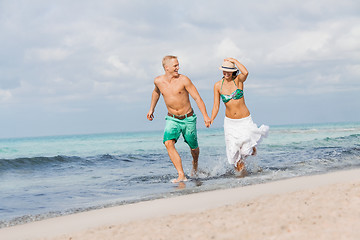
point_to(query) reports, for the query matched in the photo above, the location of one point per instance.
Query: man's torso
(175, 95)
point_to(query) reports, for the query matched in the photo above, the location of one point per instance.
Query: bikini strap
(223, 83)
(235, 83)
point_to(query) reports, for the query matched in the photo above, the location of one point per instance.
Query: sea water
(44, 177)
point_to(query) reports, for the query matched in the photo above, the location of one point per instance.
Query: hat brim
(226, 69)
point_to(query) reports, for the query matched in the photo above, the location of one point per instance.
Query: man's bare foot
(193, 172)
(179, 179)
(181, 185)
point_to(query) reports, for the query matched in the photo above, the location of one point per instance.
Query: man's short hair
(167, 58)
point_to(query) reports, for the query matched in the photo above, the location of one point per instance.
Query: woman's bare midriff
(236, 109)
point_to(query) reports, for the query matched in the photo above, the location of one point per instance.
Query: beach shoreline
(231, 208)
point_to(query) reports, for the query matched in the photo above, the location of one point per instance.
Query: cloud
(328, 40)
(79, 54)
(347, 40)
(227, 48)
(110, 49)
(353, 70)
(5, 95)
(305, 46)
(46, 54)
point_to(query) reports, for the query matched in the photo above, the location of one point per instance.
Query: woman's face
(227, 75)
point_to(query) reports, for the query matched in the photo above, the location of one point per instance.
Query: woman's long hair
(235, 74)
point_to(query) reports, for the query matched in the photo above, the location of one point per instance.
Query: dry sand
(314, 207)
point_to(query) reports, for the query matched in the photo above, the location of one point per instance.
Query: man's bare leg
(176, 160)
(195, 155)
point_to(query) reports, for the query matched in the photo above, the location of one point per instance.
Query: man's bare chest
(169, 89)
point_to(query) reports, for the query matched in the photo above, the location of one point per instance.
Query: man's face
(172, 66)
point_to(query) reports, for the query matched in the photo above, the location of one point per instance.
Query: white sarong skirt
(241, 135)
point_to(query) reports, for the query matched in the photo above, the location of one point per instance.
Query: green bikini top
(237, 94)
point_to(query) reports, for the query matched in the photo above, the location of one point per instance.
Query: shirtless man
(181, 118)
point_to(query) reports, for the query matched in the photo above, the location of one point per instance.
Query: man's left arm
(190, 87)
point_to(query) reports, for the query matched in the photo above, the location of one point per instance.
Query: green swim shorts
(187, 126)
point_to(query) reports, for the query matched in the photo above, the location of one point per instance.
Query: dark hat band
(229, 68)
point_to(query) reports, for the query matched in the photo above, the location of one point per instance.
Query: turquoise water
(51, 176)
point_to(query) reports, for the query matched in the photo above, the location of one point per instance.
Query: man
(181, 118)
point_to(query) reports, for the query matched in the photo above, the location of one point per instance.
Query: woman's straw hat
(228, 66)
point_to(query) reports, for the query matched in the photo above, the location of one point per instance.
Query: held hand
(232, 60)
(150, 115)
(207, 122)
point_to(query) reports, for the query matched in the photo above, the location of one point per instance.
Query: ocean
(44, 177)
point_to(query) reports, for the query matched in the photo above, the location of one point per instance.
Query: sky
(86, 66)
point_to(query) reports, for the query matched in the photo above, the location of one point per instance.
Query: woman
(241, 133)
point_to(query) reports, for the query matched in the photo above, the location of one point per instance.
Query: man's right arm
(190, 87)
(154, 99)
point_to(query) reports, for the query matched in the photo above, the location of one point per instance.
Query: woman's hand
(244, 72)
(232, 60)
